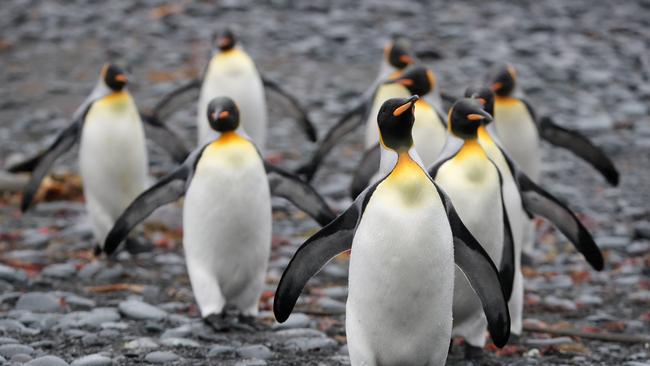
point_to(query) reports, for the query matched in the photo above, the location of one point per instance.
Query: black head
(114, 77)
(503, 80)
(419, 80)
(483, 95)
(465, 117)
(395, 121)
(225, 40)
(398, 53)
(223, 114)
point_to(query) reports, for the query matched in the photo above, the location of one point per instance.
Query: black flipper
(164, 137)
(43, 161)
(305, 123)
(168, 189)
(539, 202)
(367, 168)
(166, 106)
(28, 165)
(345, 125)
(507, 265)
(580, 146)
(481, 273)
(287, 185)
(333, 239)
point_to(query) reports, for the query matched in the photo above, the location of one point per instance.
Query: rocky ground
(586, 63)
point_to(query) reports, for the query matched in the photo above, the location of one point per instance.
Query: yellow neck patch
(484, 136)
(231, 149)
(470, 150)
(408, 182)
(505, 101)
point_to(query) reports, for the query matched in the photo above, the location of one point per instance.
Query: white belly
(400, 283)
(227, 231)
(235, 77)
(518, 133)
(429, 134)
(112, 160)
(478, 203)
(383, 93)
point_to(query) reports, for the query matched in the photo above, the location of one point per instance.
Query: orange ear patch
(224, 114)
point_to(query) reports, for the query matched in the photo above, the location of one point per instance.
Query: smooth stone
(139, 310)
(258, 351)
(141, 343)
(161, 357)
(295, 320)
(8, 340)
(310, 343)
(12, 275)
(251, 362)
(180, 342)
(331, 306)
(218, 349)
(20, 358)
(92, 360)
(40, 302)
(535, 342)
(8, 350)
(298, 333)
(178, 332)
(90, 319)
(79, 302)
(11, 325)
(47, 361)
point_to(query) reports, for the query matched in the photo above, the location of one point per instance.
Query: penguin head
(398, 53)
(419, 80)
(223, 114)
(465, 117)
(395, 120)
(225, 40)
(484, 95)
(503, 80)
(114, 77)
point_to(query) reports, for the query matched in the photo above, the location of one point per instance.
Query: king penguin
(474, 185)
(523, 198)
(226, 215)
(404, 235)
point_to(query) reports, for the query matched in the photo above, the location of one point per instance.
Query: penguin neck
(391, 159)
(472, 160)
(229, 137)
(484, 135)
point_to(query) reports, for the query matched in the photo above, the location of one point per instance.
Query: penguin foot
(473, 352)
(135, 246)
(218, 322)
(252, 323)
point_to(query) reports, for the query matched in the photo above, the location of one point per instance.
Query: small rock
(38, 302)
(92, 360)
(548, 341)
(141, 343)
(310, 343)
(20, 358)
(331, 306)
(180, 342)
(12, 275)
(298, 333)
(560, 304)
(9, 350)
(47, 361)
(8, 340)
(218, 349)
(251, 362)
(255, 351)
(161, 357)
(295, 320)
(139, 310)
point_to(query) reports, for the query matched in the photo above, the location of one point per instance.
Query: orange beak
(406, 59)
(121, 78)
(405, 82)
(224, 41)
(224, 114)
(405, 107)
(475, 117)
(496, 86)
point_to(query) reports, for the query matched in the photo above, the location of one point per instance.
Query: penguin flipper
(166, 190)
(28, 165)
(44, 160)
(507, 265)
(304, 120)
(345, 125)
(539, 202)
(165, 106)
(304, 196)
(580, 146)
(332, 240)
(367, 168)
(481, 273)
(164, 137)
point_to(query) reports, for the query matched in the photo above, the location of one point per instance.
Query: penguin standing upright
(112, 155)
(474, 186)
(404, 236)
(231, 72)
(226, 215)
(522, 197)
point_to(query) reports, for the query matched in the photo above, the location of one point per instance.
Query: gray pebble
(141, 343)
(161, 357)
(8, 340)
(93, 360)
(251, 362)
(8, 350)
(310, 343)
(139, 310)
(20, 358)
(295, 320)
(535, 342)
(38, 302)
(298, 332)
(180, 342)
(258, 351)
(47, 361)
(12, 275)
(219, 349)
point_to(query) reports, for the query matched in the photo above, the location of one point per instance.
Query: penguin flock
(442, 200)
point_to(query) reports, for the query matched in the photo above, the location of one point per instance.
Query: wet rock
(20, 358)
(14, 326)
(139, 310)
(63, 270)
(547, 341)
(47, 361)
(180, 342)
(8, 340)
(9, 350)
(331, 306)
(310, 343)
(12, 275)
(38, 302)
(298, 333)
(251, 362)
(89, 319)
(257, 351)
(157, 357)
(141, 343)
(219, 349)
(92, 360)
(295, 320)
